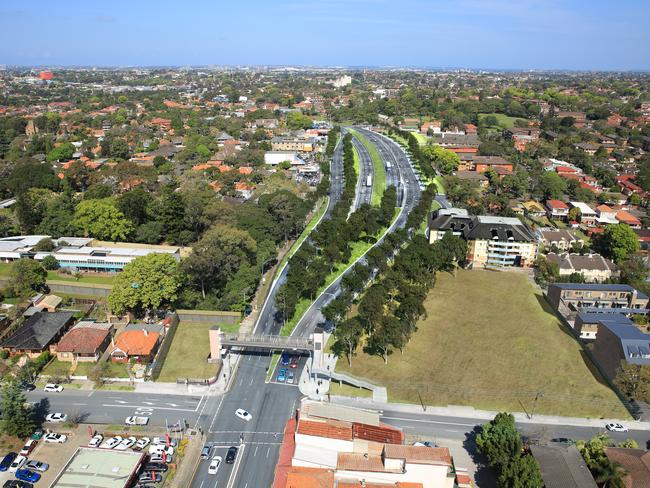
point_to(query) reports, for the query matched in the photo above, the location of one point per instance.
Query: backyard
(490, 341)
(187, 356)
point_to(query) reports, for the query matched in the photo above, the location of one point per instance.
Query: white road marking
(138, 407)
(147, 403)
(120, 401)
(251, 381)
(255, 452)
(171, 404)
(429, 421)
(268, 451)
(80, 404)
(201, 485)
(235, 468)
(91, 393)
(215, 414)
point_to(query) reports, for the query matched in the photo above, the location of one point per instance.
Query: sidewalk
(482, 416)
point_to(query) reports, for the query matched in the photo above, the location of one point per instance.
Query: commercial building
(100, 468)
(273, 158)
(493, 242)
(292, 144)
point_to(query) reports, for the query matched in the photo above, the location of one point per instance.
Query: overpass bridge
(259, 341)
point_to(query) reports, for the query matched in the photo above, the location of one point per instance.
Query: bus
(369, 180)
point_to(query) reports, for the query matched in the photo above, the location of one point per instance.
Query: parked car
(142, 443)
(169, 450)
(53, 388)
(38, 433)
(290, 377)
(205, 452)
(126, 443)
(53, 437)
(17, 463)
(615, 427)
(7, 460)
(231, 455)
(156, 467)
(160, 457)
(282, 375)
(243, 414)
(425, 444)
(214, 465)
(96, 440)
(28, 447)
(285, 359)
(17, 484)
(28, 475)
(112, 443)
(56, 417)
(37, 466)
(27, 386)
(133, 420)
(294, 362)
(150, 477)
(165, 441)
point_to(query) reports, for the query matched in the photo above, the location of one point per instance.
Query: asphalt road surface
(363, 192)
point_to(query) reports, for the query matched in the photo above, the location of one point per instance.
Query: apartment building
(493, 242)
(577, 296)
(594, 267)
(292, 144)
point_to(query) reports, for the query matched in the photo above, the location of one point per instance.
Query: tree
(119, 149)
(133, 204)
(499, 440)
(445, 160)
(50, 263)
(547, 271)
(575, 214)
(347, 335)
(611, 475)
(551, 185)
(101, 219)
(28, 175)
(147, 282)
(62, 152)
(521, 472)
(617, 242)
(27, 277)
(16, 417)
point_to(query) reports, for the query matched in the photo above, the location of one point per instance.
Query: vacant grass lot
(503, 120)
(491, 342)
(187, 357)
(422, 139)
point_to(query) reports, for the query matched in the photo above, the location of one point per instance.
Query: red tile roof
(136, 342)
(382, 433)
(82, 340)
(557, 204)
(357, 461)
(418, 455)
(330, 429)
(299, 477)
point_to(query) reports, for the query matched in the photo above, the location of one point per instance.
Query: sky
(478, 34)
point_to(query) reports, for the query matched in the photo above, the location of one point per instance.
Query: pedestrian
(317, 391)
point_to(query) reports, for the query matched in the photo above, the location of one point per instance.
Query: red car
(294, 362)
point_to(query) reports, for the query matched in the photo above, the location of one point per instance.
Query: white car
(37, 466)
(53, 388)
(112, 442)
(126, 443)
(160, 448)
(214, 465)
(96, 440)
(160, 457)
(142, 443)
(616, 427)
(17, 464)
(56, 417)
(53, 437)
(162, 441)
(243, 414)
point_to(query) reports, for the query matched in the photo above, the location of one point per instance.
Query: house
(139, 345)
(410, 124)
(593, 267)
(587, 147)
(534, 209)
(589, 295)
(434, 126)
(625, 217)
(605, 215)
(627, 185)
(562, 466)
(587, 214)
(484, 163)
(616, 343)
(586, 323)
(556, 209)
(479, 179)
(635, 462)
(38, 333)
(85, 342)
(561, 239)
(493, 242)
(45, 303)
(579, 118)
(643, 236)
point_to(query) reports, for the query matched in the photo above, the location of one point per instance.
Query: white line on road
(201, 485)
(153, 408)
(429, 421)
(233, 474)
(121, 401)
(268, 451)
(147, 403)
(80, 404)
(255, 453)
(91, 393)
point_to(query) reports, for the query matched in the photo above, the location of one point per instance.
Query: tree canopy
(102, 219)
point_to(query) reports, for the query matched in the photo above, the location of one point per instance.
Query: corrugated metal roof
(339, 412)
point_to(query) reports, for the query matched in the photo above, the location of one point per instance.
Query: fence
(75, 288)
(164, 348)
(212, 316)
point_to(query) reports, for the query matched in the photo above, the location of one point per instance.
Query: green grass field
(503, 120)
(113, 370)
(5, 269)
(188, 354)
(379, 172)
(422, 139)
(491, 342)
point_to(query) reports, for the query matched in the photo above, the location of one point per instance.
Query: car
(243, 414)
(142, 443)
(294, 362)
(231, 455)
(7, 460)
(17, 484)
(285, 359)
(27, 386)
(126, 443)
(53, 388)
(169, 450)
(111, 443)
(214, 465)
(425, 444)
(290, 377)
(28, 447)
(28, 475)
(160, 457)
(55, 438)
(205, 452)
(17, 463)
(134, 420)
(56, 417)
(615, 427)
(96, 440)
(282, 375)
(37, 466)
(164, 441)
(563, 440)
(38, 433)
(150, 477)
(156, 467)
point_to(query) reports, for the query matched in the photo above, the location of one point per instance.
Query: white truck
(369, 181)
(136, 420)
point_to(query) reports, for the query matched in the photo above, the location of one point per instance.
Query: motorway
(364, 192)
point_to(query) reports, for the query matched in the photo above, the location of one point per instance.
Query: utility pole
(537, 395)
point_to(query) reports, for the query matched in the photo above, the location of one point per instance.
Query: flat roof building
(99, 468)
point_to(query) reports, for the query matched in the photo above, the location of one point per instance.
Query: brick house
(140, 345)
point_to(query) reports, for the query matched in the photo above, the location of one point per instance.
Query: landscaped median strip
(379, 172)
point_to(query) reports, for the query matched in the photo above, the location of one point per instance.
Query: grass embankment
(491, 341)
(348, 390)
(503, 120)
(188, 354)
(379, 172)
(421, 138)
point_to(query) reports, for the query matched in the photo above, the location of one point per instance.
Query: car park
(28, 447)
(290, 377)
(96, 440)
(37, 466)
(53, 388)
(282, 375)
(156, 467)
(17, 463)
(7, 460)
(28, 475)
(56, 417)
(142, 443)
(243, 414)
(231, 455)
(112, 443)
(214, 465)
(126, 443)
(616, 427)
(55, 438)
